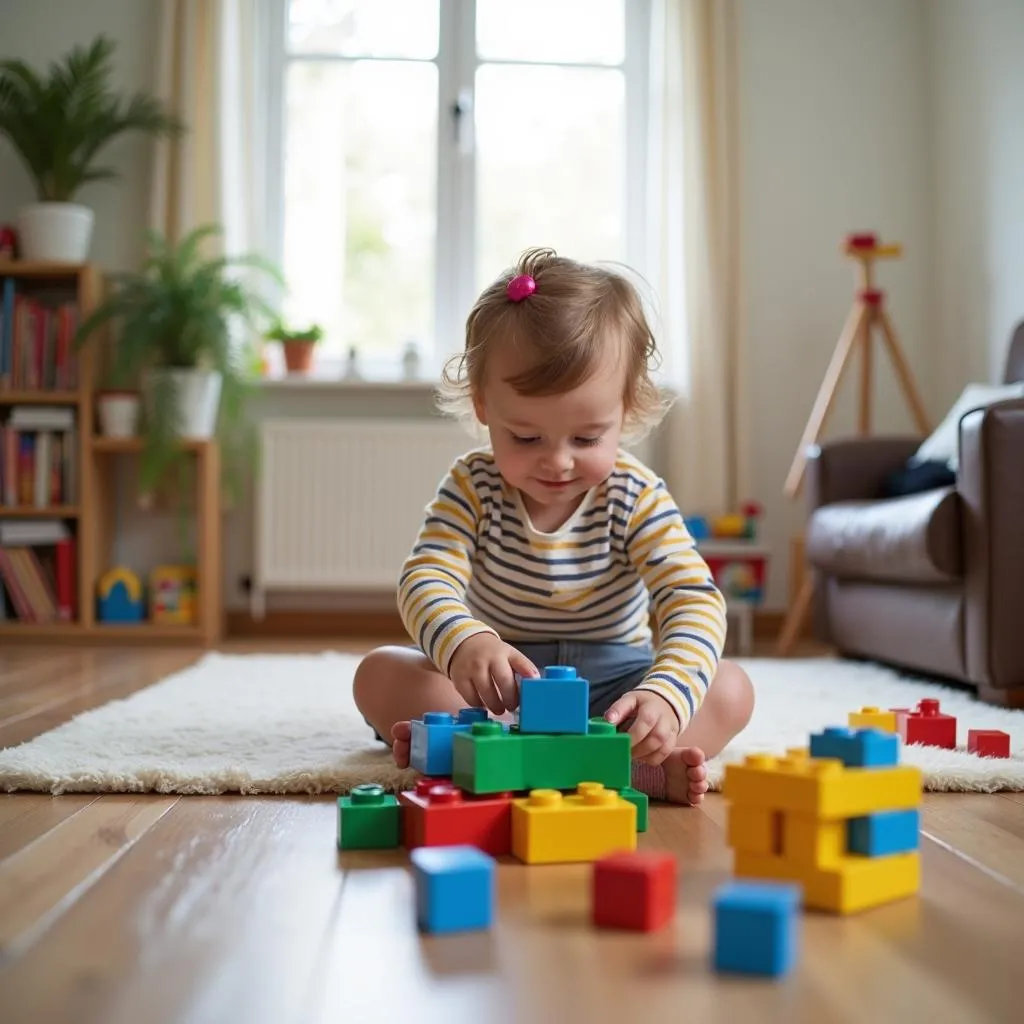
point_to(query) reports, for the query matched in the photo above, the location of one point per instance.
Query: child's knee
(736, 696)
(370, 678)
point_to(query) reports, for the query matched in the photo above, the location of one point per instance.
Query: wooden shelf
(129, 445)
(31, 512)
(40, 398)
(32, 268)
(100, 632)
(145, 630)
(42, 631)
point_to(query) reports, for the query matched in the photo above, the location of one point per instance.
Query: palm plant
(58, 124)
(184, 311)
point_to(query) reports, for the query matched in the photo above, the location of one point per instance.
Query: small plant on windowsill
(298, 346)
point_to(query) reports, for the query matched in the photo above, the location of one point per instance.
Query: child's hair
(572, 311)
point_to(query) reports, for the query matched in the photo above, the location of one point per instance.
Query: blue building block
(556, 702)
(857, 748)
(878, 835)
(757, 927)
(430, 751)
(454, 888)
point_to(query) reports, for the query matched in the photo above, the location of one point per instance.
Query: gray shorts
(611, 669)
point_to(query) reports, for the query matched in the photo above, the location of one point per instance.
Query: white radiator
(339, 501)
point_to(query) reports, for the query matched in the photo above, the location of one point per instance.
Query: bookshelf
(85, 512)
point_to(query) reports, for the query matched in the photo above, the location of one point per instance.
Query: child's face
(554, 448)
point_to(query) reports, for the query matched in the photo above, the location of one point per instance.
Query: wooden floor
(197, 909)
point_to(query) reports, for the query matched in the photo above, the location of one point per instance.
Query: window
(426, 143)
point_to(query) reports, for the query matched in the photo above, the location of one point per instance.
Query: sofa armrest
(854, 468)
(991, 486)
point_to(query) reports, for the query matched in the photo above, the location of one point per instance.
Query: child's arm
(688, 608)
(433, 581)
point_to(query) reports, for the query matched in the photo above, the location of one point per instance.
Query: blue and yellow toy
(120, 596)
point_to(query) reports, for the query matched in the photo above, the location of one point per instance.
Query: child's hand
(654, 728)
(483, 671)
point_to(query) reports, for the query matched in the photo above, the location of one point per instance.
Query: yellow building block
(821, 787)
(851, 884)
(873, 718)
(809, 841)
(549, 828)
(754, 829)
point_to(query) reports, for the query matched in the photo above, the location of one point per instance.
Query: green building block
(368, 819)
(634, 796)
(489, 760)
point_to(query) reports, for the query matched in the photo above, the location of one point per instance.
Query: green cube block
(368, 819)
(634, 796)
(489, 760)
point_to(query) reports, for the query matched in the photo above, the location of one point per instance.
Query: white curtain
(695, 236)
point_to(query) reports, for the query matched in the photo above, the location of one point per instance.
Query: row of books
(37, 571)
(37, 333)
(38, 457)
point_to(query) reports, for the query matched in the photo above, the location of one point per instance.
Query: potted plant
(298, 346)
(180, 333)
(118, 412)
(58, 124)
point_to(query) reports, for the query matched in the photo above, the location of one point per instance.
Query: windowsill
(334, 382)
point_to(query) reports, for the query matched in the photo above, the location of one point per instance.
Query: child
(552, 546)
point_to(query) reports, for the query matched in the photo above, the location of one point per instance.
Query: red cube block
(440, 814)
(634, 890)
(988, 742)
(926, 725)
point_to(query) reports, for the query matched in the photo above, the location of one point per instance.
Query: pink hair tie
(522, 286)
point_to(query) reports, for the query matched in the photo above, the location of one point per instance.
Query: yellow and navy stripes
(625, 555)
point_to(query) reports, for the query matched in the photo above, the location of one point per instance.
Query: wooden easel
(868, 314)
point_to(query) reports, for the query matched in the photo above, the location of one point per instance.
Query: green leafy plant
(184, 310)
(281, 332)
(59, 123)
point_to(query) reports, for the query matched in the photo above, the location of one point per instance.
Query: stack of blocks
(553, 789)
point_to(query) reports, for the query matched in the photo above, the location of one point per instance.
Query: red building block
(926, 725)
(440, 814)
(988, 742)
(635, 890)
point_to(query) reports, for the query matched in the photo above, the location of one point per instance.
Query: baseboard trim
(382, 624)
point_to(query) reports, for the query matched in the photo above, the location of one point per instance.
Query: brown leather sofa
(931, 582)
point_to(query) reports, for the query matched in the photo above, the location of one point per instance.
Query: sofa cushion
(914, 539)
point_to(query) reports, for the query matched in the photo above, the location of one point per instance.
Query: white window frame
(457, 63)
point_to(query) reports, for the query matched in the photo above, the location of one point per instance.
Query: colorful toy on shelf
(739, 568)
(741, 525)
(172, 595)
(120, 597)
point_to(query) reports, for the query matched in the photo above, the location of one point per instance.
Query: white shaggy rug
(286, 723)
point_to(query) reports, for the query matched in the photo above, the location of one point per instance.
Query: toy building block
(810, 842)
(368, 819)
(872, 718)
(861, 748)
(430, 751)
(636, 891)
(878, 835)
(549, 828)
(927, 725)
(488, 759)
(454, 888)
(754, 829)
(556, 702)
(756, 928)
(988, 742)
(821, 787)
(439, 814)
(853, 883)
(640, 801)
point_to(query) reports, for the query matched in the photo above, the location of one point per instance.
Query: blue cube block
(430, 751)
(883, 833)
(454, 888)
(556, 702)
(857, 748)
(756, 927)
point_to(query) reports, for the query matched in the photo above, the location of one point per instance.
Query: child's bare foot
(401, 740)
(686, 776)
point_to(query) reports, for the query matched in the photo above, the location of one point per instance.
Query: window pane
(360, 200)
(550, 163)
(364, 28)
(581, 31)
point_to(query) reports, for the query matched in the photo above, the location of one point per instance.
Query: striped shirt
(478, 565)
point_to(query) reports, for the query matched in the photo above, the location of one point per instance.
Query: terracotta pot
(298, 356)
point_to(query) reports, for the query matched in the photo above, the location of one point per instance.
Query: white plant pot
(197, 393)
(55, 232)
(118, 414)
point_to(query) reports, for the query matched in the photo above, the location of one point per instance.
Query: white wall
(977, 117)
